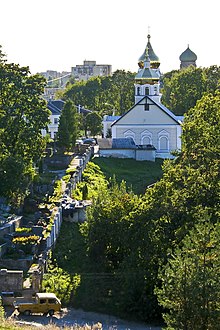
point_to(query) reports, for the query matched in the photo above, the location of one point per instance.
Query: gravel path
(72, 316)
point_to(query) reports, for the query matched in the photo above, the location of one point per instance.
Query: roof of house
(123, 143)
(111, 118)
(55, 106)
(161, 106)
(85, 111)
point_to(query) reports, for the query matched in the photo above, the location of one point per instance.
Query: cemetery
(27, 238)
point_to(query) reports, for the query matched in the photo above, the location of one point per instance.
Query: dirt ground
(71, 316)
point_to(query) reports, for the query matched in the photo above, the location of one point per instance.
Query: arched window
(163, 140)
(146, 140)
(129, 134)
(163, 143)
(147, 91)
(138, 91)
(146, 137)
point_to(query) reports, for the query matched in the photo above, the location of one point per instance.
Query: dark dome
(188, 56)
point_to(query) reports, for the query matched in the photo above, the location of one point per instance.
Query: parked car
(45, 303)
(90, 141)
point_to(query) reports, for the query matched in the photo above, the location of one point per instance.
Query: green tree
(93, 94)
(190, 289)
(169, 210)
(68, 126)
(23, 114)
(108, 223)
(185, 87)
(122, 90)
(93, 123)
(212, 78)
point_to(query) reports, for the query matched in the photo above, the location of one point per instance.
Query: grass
(12, 325)
(137, 174)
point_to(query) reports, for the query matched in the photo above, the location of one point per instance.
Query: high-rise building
(90, 69)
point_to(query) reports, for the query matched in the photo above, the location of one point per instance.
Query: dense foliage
(190, 280)
(104, 94)
(68, 127)
(183, 88)
(93, 124)
(23, 114)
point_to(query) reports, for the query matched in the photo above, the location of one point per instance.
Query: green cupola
(188, 57)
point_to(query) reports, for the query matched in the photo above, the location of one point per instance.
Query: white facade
(107, 122)
(52, 128)
(150, 123)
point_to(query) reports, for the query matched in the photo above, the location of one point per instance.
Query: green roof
(147, 73)
(188, 56)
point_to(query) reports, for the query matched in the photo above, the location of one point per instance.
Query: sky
(57, 35)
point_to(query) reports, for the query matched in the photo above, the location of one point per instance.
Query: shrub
(23, 230)
(24, 240)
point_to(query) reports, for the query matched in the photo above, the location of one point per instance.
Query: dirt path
(72, 316)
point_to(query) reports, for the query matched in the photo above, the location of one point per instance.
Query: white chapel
(149, 122)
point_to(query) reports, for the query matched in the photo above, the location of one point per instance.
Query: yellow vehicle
(46, 303)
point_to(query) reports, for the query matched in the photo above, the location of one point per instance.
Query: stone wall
(11, 280)
(9, 227)
(21, 264)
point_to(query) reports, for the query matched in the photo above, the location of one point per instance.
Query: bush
(23, 230)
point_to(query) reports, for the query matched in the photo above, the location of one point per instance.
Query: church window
(146, 137)
(163, 143)
(146, 140)
(138, 91)
(147, 91)
(163, 140)
(129, 134)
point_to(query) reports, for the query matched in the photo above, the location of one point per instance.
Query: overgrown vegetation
(161, 245)
(137, 175)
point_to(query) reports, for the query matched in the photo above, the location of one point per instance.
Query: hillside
(74, 274)
(138, 175)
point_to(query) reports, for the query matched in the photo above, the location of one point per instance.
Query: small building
(55, 106)
(126, 148)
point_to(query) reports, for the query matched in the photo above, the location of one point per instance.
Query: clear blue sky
(56, 35)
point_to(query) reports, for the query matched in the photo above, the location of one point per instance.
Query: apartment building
(90, 69)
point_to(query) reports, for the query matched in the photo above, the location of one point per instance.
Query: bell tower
(148, 76)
